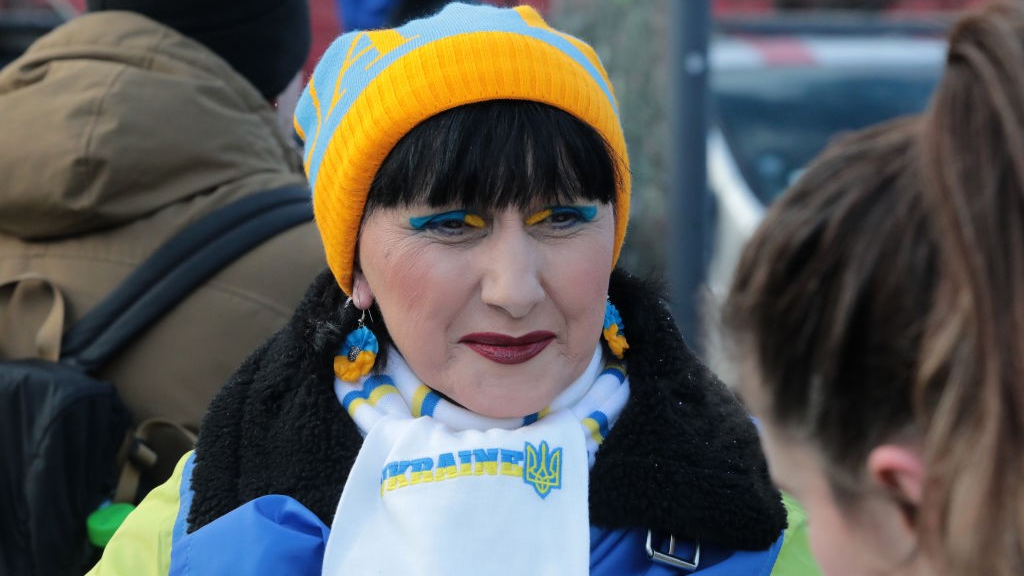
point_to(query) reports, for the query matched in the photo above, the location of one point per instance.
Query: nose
(511, 271)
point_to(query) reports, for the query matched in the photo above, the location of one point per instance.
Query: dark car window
(22, 25)
(776, 120)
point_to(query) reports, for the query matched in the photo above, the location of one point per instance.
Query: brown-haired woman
(880, 316)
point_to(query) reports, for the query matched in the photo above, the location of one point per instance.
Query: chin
(504, 409)
(500, 411)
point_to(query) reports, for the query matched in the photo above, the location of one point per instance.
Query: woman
(458, 394)
(879, 305)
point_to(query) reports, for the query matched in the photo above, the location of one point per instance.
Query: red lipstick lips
(508, 349)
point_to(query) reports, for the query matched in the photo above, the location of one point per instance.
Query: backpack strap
(138, 456)
(30, 299)
(184, 262)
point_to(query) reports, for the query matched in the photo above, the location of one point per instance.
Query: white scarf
(437, 489)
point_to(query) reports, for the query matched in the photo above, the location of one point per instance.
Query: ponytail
(969, 390)
(883, 296)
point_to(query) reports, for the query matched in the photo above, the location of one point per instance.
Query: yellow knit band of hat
(475, 65)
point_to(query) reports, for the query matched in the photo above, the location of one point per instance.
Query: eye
(566, 216)
(445, 225)
(563, 217)
(453, 223)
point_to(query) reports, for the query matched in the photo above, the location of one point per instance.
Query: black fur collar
(683, 457)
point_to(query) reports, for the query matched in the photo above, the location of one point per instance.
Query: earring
(358, 353)
(613, 330)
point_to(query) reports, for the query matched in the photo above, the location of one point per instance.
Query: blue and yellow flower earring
(613, 330)
(358, 353)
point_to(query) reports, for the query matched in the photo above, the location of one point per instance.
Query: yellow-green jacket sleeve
(142, 545)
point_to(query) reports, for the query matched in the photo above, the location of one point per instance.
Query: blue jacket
(682, 459)
(281, 536)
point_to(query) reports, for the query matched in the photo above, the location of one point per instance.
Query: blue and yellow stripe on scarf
(424, 401)
(375, 388)
(597, 424)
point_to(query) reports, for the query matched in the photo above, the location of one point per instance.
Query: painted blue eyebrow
(588, 212)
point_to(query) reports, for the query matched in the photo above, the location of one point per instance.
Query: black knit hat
(266, 41)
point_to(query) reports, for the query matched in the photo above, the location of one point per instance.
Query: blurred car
(22, 23)
(779, 93)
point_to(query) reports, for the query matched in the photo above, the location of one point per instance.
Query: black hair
(497, 154)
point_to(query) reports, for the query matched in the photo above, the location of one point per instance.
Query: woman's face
(863, 537)
(500, 312)
(840, 544)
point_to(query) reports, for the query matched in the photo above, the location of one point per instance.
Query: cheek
(579, 288)
(821, 538)
(416, 291)
(399, 269)
(829, 544)
(402, 282)
(841, 546)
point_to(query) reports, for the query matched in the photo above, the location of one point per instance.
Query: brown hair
(884, 293)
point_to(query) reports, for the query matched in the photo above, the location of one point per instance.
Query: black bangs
(495, 155)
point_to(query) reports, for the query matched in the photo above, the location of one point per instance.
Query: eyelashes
(458, 222)
(447, 223)
(562, 216)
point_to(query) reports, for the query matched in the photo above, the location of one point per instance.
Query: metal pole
(688, 202)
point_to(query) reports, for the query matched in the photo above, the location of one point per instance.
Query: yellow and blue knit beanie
(373, 87)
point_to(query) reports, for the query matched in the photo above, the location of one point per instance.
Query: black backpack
(61, 429)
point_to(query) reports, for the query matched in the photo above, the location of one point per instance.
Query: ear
(362, 295)
(900, 472)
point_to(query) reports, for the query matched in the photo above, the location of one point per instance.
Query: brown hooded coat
(115, 133)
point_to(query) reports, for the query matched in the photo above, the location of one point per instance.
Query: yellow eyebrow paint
(538, 217)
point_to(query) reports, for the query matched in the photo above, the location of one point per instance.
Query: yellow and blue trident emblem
(543, 470)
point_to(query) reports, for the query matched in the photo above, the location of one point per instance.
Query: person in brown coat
(122, 127)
